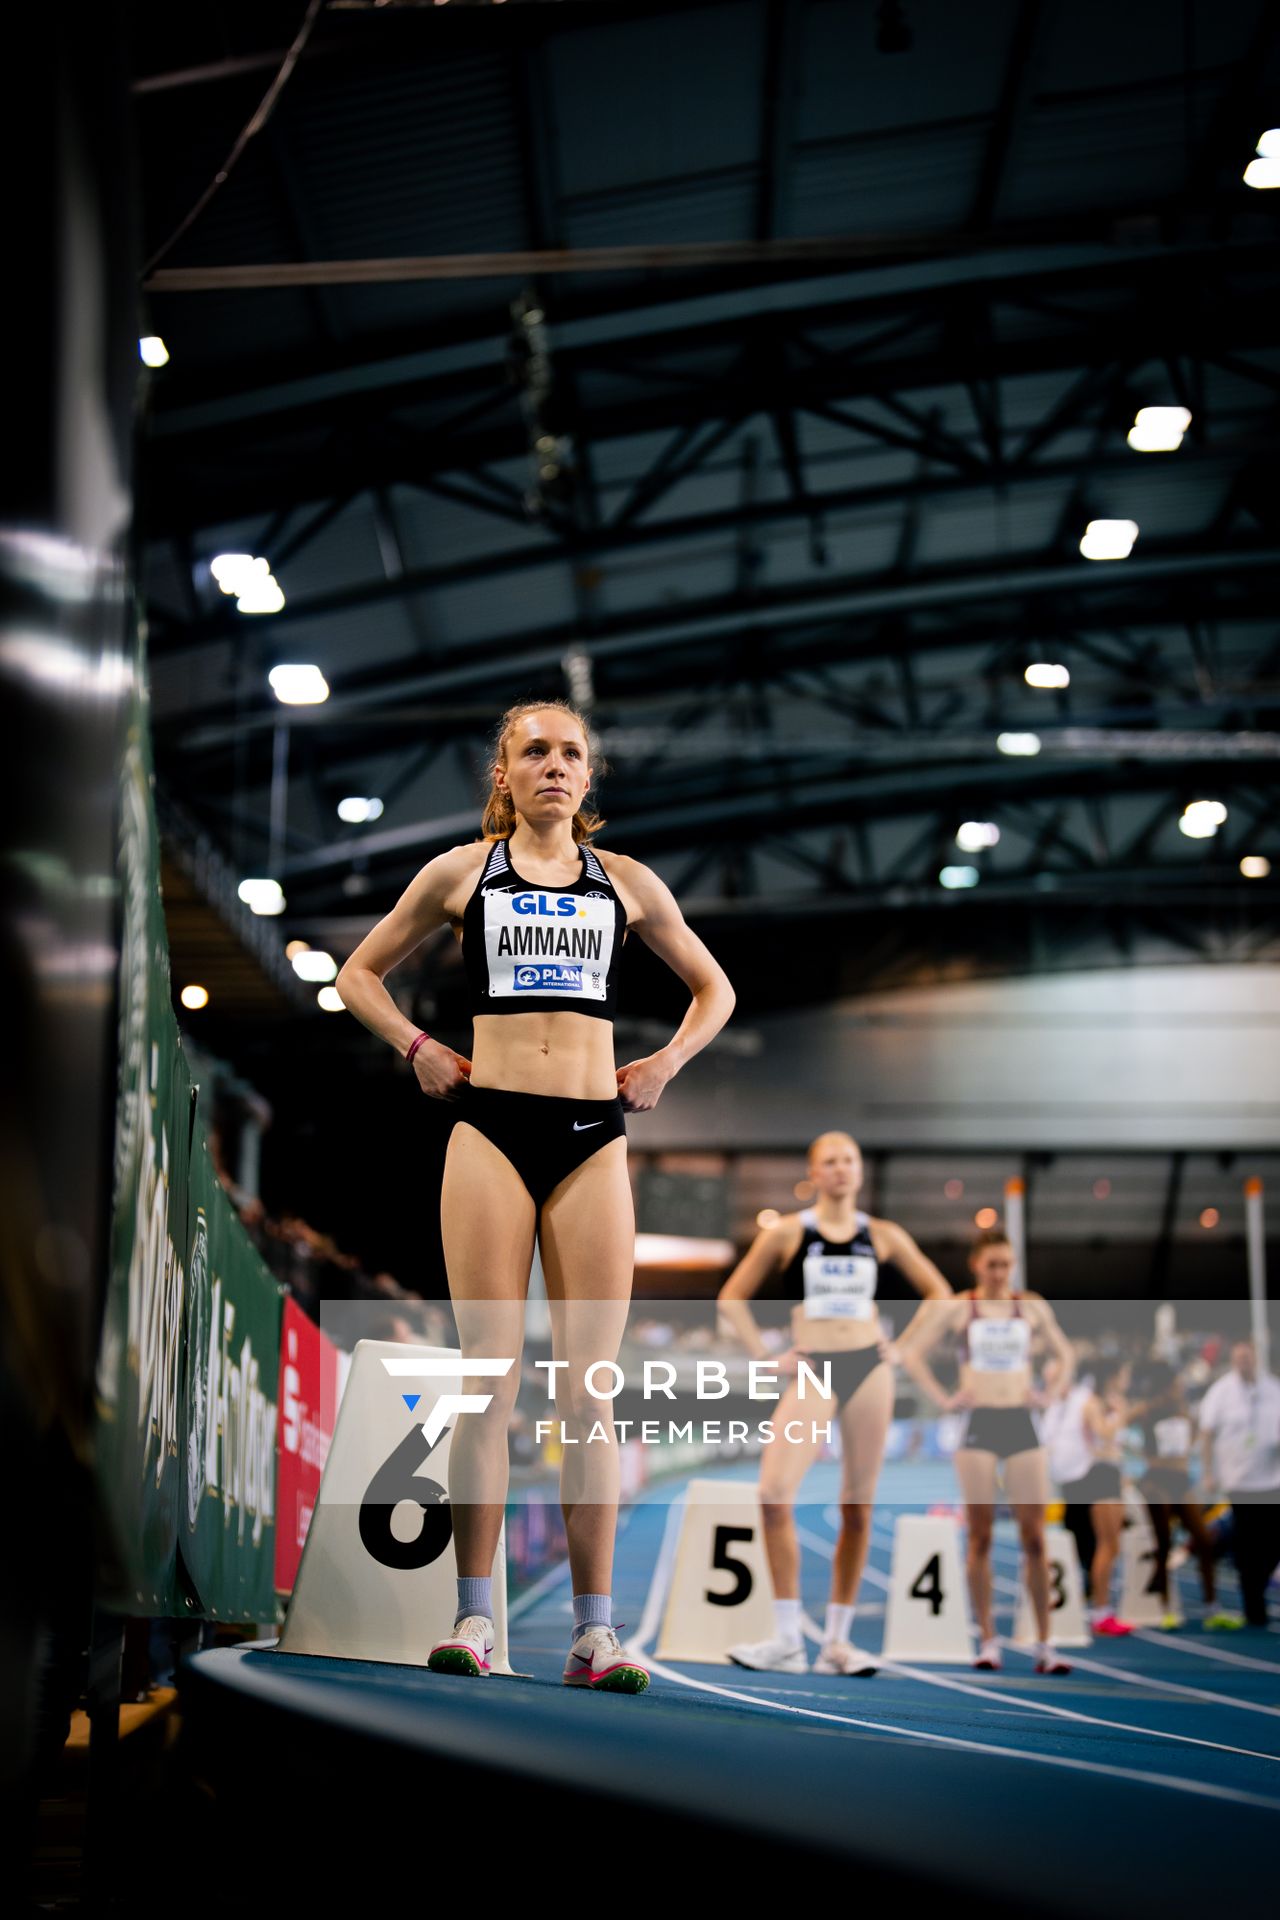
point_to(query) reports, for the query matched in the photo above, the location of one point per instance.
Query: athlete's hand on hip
(789, 1362)
(958, 1402)
(440, 1070)
(641, 1081)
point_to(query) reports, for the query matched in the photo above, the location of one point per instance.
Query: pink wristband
(414, 1045)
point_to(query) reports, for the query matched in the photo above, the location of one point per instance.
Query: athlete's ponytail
(499, 818)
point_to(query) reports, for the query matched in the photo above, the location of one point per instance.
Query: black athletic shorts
(1165, 1486)
(543, 1136)
(849, 1368)
(1102, 1482)
(1000, 1430)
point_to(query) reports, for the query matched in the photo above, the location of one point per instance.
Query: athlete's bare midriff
(831, 1335)
(996, 1389)
(1012, 1389)
(567, 1055)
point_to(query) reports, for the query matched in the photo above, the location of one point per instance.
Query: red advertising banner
(308, 1402)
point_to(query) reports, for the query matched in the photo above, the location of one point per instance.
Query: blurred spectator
(1240, 1442)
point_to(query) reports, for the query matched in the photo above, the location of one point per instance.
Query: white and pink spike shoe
(596, 1660)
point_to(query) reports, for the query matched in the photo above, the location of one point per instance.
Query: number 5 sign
(927, 1617)
(720, 1589)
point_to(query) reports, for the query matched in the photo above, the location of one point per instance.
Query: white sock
(838, 1623)
(786, 1615)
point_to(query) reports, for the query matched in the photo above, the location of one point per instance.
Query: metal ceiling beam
(877, 738)
(191, 487)
(493, 661)
(1031, 27)
(700, 317)
(781, 26)
(908, 790)
(528, 263)
(624, 534)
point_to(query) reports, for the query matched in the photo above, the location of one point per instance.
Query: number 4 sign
(927, 1617)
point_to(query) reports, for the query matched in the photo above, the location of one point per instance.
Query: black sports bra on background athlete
(537, 949)
(836, 1279)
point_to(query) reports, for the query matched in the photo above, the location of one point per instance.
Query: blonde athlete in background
(830, 1257)
(995, 1327)
(1107, 1413)
(539, 1145)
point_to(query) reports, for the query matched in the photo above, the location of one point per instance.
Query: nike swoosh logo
(581, 1127)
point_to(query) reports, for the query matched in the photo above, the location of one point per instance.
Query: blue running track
(1146, 1782)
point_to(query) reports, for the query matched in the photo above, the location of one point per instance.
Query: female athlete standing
(1167, 1440)
(994, 1327)
(1107, 1414)
(831, 1258)
(539, 1146)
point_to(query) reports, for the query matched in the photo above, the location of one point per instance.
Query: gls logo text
(556, 907)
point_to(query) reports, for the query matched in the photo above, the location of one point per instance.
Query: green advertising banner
(188, 1362)
(139, 1371)
(234, 1307)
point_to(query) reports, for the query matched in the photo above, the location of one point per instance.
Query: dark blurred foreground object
(65, 614)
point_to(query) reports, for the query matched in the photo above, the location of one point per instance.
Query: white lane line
(827, 1551)
(659, 1580)
(1071, 1713)
(1149, 1680)
(1184, 1644)
(1226, 1573)
(1043, 1706)
(1158, 1638)
(1021, 1755)
(533, 1594)
(661, 1565)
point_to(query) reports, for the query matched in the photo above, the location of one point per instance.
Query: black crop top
(834, 1278)
(537, 949)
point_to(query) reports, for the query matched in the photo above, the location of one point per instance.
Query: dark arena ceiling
(749, 371)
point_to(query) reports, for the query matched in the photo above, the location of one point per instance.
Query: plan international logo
(550, 979)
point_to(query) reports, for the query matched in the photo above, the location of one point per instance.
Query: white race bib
(1173, 1436)
(999, 1346)
(839, 1285)
(539, 942)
